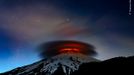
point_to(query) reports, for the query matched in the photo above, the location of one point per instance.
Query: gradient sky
(25, 24)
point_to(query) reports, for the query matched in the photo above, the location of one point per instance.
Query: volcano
(68, 62)
(67, 55)
(72, 58)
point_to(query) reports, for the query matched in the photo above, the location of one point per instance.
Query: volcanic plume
(54, 48)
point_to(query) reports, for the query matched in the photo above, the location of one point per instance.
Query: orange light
(69, 50)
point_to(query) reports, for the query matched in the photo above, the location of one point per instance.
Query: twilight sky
(25, 24)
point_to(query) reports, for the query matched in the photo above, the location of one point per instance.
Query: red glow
(70, 50)
(73, 45)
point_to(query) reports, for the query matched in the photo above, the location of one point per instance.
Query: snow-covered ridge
(69, 63)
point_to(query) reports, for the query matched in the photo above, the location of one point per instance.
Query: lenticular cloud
(54, 48)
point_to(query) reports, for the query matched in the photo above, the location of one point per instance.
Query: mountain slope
(67, 62)
(114, 65)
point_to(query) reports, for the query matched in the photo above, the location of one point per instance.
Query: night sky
(25, 24)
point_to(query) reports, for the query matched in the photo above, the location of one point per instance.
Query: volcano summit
(68, 55)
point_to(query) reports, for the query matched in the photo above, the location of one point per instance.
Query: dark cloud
(52, 48)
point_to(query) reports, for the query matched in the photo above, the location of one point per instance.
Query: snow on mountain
(69, 63)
